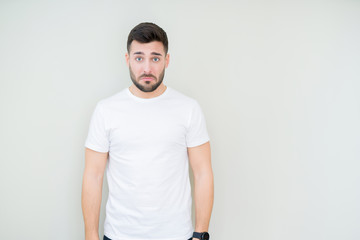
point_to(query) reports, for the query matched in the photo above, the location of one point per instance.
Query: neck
(138, 93)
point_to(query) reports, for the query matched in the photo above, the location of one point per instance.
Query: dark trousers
(106, 238)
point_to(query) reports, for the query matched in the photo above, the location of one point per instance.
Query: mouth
(147, 79)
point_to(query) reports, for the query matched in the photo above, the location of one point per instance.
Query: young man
(149, 133)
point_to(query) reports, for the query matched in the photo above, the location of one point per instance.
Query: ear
(127, 58)
(167, 60)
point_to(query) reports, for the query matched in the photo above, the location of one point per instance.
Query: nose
(147, 67)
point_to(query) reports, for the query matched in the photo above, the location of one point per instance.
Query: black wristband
(202, 235)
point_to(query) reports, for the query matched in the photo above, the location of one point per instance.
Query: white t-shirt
(148, 167)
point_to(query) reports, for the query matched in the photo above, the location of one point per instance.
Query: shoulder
(183, 98)
(113, 100)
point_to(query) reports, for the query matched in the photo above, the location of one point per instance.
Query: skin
(147, 63)
(200, 162)
(143, 60)
(95, 163)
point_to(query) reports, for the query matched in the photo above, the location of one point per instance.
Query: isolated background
(278, 82)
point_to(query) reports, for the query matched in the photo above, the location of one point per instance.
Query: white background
(278, 82)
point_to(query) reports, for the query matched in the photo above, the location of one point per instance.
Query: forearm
(204, 198)
(91, 201)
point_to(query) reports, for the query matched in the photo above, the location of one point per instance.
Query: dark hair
(147, 32)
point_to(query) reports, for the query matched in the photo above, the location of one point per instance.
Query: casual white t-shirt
(148, 168)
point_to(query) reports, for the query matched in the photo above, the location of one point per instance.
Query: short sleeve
(97, 138)
(197, 132)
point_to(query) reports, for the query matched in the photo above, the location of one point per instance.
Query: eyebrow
(153, 53)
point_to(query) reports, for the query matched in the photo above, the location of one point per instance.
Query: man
(149, 133)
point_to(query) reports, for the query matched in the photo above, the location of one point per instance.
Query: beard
(148, 86)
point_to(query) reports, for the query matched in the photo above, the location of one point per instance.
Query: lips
(147, 79)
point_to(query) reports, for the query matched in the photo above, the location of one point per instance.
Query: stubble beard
(147, 87)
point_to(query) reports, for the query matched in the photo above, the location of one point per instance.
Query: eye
(156, 59)
(138, 59)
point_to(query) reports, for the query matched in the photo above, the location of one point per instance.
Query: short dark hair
(147, 32)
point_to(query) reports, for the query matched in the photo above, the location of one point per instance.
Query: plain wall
(278, 82)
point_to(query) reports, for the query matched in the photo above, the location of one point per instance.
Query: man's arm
(200, 161)
(95, 163)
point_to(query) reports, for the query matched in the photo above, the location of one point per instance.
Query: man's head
(147, 32)
(147, 56)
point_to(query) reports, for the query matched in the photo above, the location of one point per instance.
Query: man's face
(147, 63)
